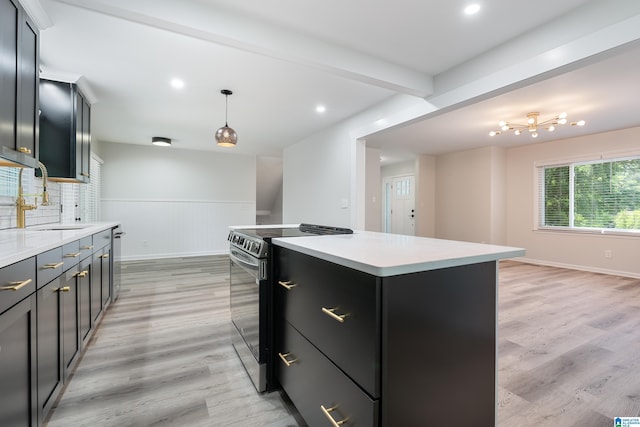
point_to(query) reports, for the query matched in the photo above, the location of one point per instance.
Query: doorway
(399, 205)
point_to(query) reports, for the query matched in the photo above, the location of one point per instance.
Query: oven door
(248, 313)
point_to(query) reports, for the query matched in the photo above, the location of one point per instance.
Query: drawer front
(312, 383)
(71, 254)
(101, 239)
(17, 281)
(337, 309)
(86, 247)
(49, 266)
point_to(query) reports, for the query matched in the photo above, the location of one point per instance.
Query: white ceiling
(283, 57)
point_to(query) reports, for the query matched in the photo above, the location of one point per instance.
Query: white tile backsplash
(63, 200)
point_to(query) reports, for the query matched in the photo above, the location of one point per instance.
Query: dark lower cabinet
(69, 299)
(96, 288)
(84, 303)
(18, 404)
(49, 333)
(105, 275)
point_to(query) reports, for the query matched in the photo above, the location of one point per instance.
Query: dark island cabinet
(19, 103)
(65, 133)
(416, 349)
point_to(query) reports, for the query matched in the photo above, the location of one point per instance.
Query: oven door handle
(254, 268)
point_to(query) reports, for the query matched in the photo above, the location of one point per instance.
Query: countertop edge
(396, 270)
(50, 239)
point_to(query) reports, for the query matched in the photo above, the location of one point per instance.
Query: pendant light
(226, 136)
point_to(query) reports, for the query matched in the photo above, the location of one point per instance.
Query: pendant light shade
(226, 136)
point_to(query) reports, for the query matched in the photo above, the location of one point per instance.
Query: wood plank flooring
(569, 352)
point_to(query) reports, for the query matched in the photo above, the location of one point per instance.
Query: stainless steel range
(251, 293)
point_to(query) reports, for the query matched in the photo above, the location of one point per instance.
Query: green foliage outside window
(605, 195)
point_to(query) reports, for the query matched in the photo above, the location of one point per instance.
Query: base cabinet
(18, 404)
(49, 333)
(84, 303)
(70, 320)
(429, 343)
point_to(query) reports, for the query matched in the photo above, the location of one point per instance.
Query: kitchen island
(378, 329)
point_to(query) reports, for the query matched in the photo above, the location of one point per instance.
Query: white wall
(425, 167)
(373, 197)
(176, 202)
(584, 251)
(317, 177)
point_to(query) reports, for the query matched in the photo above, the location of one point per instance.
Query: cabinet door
(96, 287)
(337, 309)
(69, 298)
(317, 388)
(50, 370)
(28, 81)
(86, 142)
(18, 365)
(106, 275)
(84, 289)
(9, 12)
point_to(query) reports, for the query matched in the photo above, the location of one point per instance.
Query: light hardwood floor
(569, 352)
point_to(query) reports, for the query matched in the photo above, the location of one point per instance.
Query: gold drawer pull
(87, 248)
(284, 359)
(64, 289)
(288, 285)
(14, 286)
(331, 313)
(24, 150)
(85, 174)
(105, 256)
(327, 413)
(53, 266)
(82, 273)
(72, 255)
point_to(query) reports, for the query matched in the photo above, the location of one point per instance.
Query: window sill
(589, 231)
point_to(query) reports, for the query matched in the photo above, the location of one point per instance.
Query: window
(600, 195)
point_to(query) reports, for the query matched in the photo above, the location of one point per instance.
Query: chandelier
(226, 136)
(533, 123)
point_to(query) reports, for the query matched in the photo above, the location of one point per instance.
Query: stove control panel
(253, 245)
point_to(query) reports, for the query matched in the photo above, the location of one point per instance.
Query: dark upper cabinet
(65, 131)
(19, 103)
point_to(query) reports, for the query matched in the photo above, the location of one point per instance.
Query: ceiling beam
(257, 37)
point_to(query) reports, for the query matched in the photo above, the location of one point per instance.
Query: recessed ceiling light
(177, 83)
(161, 141)
(321, 109)
(472, 9)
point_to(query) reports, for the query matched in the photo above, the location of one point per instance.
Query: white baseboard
(174, 255)
(578, 267)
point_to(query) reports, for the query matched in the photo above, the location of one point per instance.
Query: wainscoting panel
(176, 228)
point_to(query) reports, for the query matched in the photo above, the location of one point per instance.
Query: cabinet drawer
(101, 239)
(71, 254)
(313, 383)
(17, 281)
(86, 247)
(49, 266)
(337, 309)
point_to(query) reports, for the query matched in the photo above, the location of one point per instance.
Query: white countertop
(17, 244)
(384, 254)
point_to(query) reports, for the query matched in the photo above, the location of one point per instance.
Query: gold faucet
(21, 206)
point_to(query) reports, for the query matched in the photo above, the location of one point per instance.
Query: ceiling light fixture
(472, 9)
(161, 141)
(177, 83)
(533, 123)
(226, 136)
(321, 109)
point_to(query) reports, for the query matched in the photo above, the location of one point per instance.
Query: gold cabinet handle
(288, 285)
(72, 255)
(85, 174)
(64, 289)
(14, 286)
(24, 150)
(53, 266)
(327, 413)
(87, 248)
(104, 256)
(287, 362)
(331, 312)
(81, 273)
